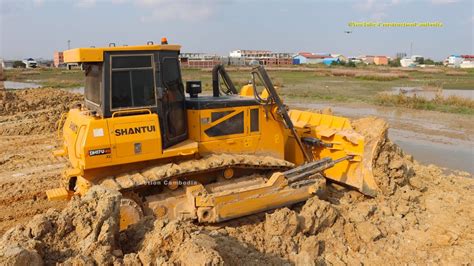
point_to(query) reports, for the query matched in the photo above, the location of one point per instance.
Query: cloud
(152, 10)
(377, 10)
(165, 10)
(38, 2)
(187, 10)
(378, 16)
(85, 3)
(444, 2)
(11, 8)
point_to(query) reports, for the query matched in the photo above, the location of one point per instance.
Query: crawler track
(193, 169)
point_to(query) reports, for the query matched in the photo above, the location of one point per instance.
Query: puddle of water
(431, 94)
(428, 140)
(449, 155)
(79, 90)
(14, 85)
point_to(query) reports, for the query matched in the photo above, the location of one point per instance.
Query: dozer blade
(337, 139)
(231, 199)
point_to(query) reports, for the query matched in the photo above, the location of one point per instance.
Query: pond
(15, 85)
(430, 94)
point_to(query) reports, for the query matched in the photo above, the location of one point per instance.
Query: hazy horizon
(37, 28)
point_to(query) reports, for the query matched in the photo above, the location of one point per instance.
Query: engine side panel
(241, 129)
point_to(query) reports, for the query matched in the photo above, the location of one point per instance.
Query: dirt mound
(183, 242)
(390, 166)
(33, 111)
(86, 230)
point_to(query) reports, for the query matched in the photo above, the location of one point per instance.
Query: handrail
(136, 111)
(220, 70)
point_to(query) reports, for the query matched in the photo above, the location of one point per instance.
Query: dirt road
(421, 214)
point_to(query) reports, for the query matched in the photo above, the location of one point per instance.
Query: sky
(37, 28)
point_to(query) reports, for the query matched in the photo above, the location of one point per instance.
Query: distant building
(232, 61)
(417, 58)
(275, 59)
(252, 54)
(462, 61)
(454, 60)
(199, 60)
(198, 56)
(355, 60)
(262, 57)
(329, 60)
(7, 64)
(468, 61)
(308, 58)
(367, 59)
(411, 62)
(340, 57)
(58, 59)
(381, 60)
(407, 62)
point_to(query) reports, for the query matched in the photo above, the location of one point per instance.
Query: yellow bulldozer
(209, 158)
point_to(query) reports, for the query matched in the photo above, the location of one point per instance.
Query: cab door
(173, 105)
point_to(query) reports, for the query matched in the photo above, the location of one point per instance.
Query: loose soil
(421, 215)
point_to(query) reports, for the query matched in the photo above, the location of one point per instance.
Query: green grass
(451, 104)
(316, 83)
(47, 77)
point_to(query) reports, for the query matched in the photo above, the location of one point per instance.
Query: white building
(455, 61)
(410, 62)
(250, 54)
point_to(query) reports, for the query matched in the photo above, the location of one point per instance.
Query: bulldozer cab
(133, 79)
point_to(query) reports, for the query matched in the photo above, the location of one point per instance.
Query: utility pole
(68, 44)
(411, 49)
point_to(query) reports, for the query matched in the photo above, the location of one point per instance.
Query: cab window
(93, 83)
(132, 81)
